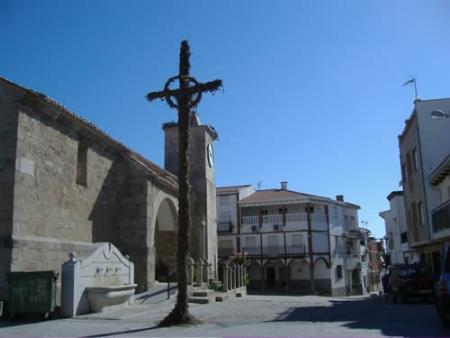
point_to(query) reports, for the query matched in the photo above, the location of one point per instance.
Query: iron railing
(441, 217)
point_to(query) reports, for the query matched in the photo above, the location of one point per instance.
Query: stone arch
(300, 275)
(275, 274)
(165, 242)
(324, 260)
(255, 276)
(274, 261)
(298, 260)
(322, 275)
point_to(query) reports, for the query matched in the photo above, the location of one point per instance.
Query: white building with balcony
(424, 150)
(294, 242)
(396, 237)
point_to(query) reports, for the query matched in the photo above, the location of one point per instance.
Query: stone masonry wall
(45, 213)
(132, 224)
(53, 214)
(8, 140)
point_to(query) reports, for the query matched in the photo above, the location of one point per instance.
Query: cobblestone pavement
(253, 316)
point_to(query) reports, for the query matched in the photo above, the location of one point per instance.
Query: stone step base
(222, 297)
(200, 300)
(202, 293)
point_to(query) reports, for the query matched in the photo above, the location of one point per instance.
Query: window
(408, 164)
(225, 216)
(297, 240)
(414, 213)
(404, 237)
(352, 221)
(225, 200)
(250, 242)
(82, 164)
(346, 221)
(404, 174)
(415, 160)
(339, 272)
(421, 212)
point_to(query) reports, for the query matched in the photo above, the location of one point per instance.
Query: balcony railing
(441, 217)
(276, 250)
(226, 252)
(224, 227)
(288, 219)
(296, 250)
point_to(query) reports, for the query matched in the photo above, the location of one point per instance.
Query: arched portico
(300, 276)
(275, 275)
(165, 239)
(322, 273)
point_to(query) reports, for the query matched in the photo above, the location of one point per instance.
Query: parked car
(442, 286)
(410, 280)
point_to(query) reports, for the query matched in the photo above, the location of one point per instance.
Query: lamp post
(439, 114)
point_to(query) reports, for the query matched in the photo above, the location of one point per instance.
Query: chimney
(284, 185)
(340, 198)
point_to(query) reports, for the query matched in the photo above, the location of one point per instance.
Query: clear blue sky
(312, 88)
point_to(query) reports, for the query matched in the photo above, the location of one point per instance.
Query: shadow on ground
(414, 319)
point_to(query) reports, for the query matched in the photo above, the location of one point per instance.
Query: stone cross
(184, 99)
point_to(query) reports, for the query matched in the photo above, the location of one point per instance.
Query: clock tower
(203, 187)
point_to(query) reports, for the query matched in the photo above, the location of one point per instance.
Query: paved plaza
(256, 315)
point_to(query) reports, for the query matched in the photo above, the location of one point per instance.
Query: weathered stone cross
(184, 99)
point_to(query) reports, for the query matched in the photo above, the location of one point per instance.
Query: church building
(65, 184)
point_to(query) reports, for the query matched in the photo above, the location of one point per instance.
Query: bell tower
(203, 187)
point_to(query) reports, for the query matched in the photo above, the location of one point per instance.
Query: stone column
(225, 277)
(238, 275)
(242, 275)
(233, 276)
(191, 265)
(230, 278)
(205, 266)
(198, 272)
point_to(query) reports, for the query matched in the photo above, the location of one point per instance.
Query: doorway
(271, 278)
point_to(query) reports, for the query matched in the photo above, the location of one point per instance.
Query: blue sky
(312, 89)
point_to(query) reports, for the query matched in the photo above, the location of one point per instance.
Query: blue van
(442, 286)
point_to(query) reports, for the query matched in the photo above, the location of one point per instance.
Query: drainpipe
(328, 233)
(310, 248)
(238, 224)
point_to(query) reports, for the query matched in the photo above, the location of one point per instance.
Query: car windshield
(447, 262)
(411, 271)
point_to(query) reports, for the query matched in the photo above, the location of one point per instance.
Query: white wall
(435, 145)
(444, 188)
(299, 270)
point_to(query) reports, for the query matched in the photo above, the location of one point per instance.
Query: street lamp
(439, 114)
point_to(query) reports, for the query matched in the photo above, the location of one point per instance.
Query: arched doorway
(274, 275)
(255, 276)
(300, 276)
(165, 240)
(322, 275)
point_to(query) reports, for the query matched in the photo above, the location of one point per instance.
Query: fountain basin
(102, 298)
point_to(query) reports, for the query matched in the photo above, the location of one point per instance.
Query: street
(259, 315)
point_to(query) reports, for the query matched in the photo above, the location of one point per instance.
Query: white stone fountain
(97, 279)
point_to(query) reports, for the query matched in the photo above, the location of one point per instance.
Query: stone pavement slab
(253, 316)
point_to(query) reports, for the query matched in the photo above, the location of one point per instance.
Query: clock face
(210, 155)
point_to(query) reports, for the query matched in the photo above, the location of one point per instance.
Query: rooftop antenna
(413, 81)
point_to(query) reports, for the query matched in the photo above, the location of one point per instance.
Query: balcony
(441, 217)
(276, 251)
(252, 251)
(225, 252)
(294, 250)
(225, 227)
(299, 220)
